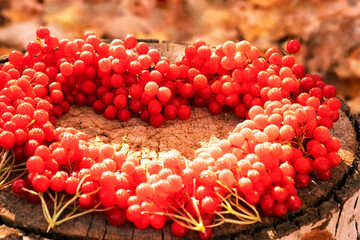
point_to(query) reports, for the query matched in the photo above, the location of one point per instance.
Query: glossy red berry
(293, 46)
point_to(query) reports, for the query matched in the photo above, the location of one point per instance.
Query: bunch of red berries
(285, 137)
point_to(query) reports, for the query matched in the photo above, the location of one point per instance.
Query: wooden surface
(329, 210)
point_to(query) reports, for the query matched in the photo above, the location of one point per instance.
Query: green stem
(64, 207)
(76, 196)
(15, 167)
(7, 173)
(239, 207)
(300, 144)
(77, 215)
(227, 203)
(43, 205)
(173, 217)
(200, 222)
(182, 215)
(4, 159)
(55, 204)
(39, 40)
(3, 186)
(13, 170)
(31, 123)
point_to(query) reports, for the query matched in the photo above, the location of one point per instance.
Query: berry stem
(39, 40)
(230, 210)
(230, 220)
(60, 206)
(43, 205)
(12, 169)
(31, 123)
(4, 158)
(198, 225)
(70, 216)
(7, 166)
(300, 144)
(184, 216)
(242, 213)
(73, 199)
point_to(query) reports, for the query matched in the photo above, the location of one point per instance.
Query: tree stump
(330, 209)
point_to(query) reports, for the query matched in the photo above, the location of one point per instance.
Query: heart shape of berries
(258, 166)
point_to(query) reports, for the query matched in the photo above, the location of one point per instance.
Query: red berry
(170, 112)
(71, 184)
(334, 104)
(206, 234)
(302, 180)
(293, 203)
(280, 209)
(35, 164)
(267, 202)
(329, 91)
(184, 112)
(293, 46)
(178, 230)
(40, 183)
(110, 112)
(157, 221)
(42, 32)
(279, 194)
(123, 115)
(321, 164)
(116, 217)
(130, 42)
(18, 185)
(157, 120)
(57, 182)
(7, 139)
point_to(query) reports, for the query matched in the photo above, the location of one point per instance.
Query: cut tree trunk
(330, 209)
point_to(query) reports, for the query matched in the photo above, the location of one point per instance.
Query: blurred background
(329, 30)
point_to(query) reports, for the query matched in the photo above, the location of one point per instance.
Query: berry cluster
(284, 139)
